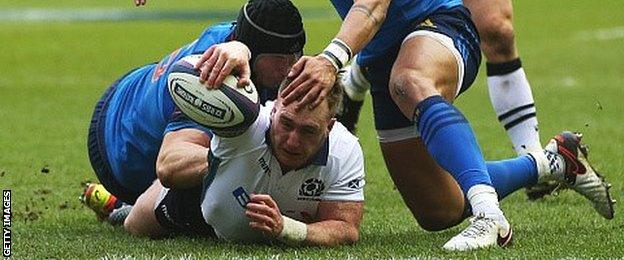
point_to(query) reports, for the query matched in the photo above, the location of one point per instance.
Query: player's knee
(132, 224)
(409, 87)
(437, 221)
(141, 220)
(497, 35)
(438, 218)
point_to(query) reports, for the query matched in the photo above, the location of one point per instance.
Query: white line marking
(604, 34)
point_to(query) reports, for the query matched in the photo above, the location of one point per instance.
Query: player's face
(270, 69)
(296, 135)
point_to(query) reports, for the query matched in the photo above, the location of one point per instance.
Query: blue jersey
(400, 15)
(140, 109)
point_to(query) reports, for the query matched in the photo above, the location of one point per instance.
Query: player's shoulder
(343, 144)
(224, 28)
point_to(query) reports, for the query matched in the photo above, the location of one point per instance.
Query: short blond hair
(334, 98)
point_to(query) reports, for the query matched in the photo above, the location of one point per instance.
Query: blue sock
(513, 174)
(451, 142)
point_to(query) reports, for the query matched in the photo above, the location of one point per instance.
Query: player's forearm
(182, 166)
(362, 23)
(332, 233)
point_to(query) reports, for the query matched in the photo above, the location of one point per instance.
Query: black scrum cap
(270, 26)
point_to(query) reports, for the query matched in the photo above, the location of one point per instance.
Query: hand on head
(312, 80)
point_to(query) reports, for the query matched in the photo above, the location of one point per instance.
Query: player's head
(298, 134)
(273, 31)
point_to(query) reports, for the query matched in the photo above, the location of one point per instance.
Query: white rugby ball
(226, 108)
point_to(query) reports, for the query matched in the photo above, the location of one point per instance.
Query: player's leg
(356, 86)
(142, 218)
(431, 194)
(508, 86)
(426, 76)
(160, 211)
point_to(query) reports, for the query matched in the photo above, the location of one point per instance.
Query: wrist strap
(294, 232)
(338, 53)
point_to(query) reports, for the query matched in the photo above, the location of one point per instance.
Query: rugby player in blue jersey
(419, 56)
(129, 120)
(509, 89)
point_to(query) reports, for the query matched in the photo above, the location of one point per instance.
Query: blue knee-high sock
(451, 142)
(513, 174)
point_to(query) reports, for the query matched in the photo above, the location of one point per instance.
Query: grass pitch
(52, 73)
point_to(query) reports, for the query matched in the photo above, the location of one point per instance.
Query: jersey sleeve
(180, 121)
(349, 182)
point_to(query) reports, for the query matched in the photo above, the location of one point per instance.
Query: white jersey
(245, 164)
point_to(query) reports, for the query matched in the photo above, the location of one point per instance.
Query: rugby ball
(227, 109)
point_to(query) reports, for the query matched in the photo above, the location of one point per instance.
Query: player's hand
(312, 79)
(264, 214)
(139, 2)
(223, 59)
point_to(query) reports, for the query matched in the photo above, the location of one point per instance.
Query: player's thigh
(142, 220)
(493, 19)
(424, 67)
(431, 193)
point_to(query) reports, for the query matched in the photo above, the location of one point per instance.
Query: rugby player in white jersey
(293, 175)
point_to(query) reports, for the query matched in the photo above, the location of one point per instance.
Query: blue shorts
(97, 149)
(452, 26)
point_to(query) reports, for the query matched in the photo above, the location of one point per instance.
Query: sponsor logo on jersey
(311, 189)
(264, 166)
(356, 183)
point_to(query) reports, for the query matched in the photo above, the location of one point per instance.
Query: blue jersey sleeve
(181, 121)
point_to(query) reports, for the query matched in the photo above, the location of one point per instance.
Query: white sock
(513, 102)
(549, 165)
(484, 200)
(354, 82)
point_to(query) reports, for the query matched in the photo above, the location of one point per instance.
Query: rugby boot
(119, 215)
(578, 174)
(98, 199)
(482, 232)
(541, 190)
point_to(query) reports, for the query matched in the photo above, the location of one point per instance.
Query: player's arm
(336, 223)
(314, 76)
(183, 158)
(362, 23)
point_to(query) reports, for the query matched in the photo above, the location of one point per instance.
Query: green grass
(53, 73)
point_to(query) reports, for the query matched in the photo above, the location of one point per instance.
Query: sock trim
(502, 68)
(519, 120)
(515, 111)
(436, 128)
